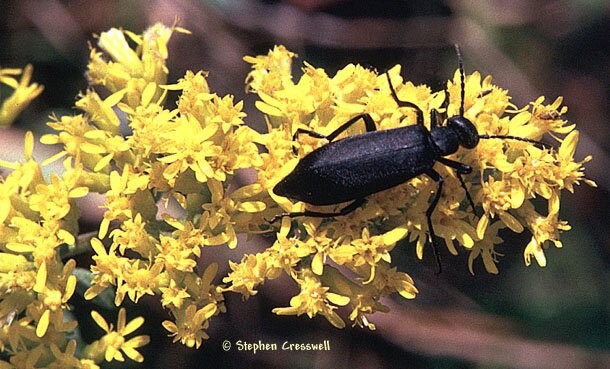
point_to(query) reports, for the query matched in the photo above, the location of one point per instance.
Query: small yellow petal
(482, 226)
(43, 323)
(395, 235)
(41, 277)
(148, 93)
(568, 146)
(78, 192)
(268, 109)
(97, 317)
(29, 144)
(511, 222)
(5, 208)
(69, 289)
(317, 264)
(133, 325)
(337, 299)
(115, 98)
(251, 207)
(517, 194)
(489, 263)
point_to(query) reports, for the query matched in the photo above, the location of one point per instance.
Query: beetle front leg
(461, 169)
(316, 214)
(439, 180)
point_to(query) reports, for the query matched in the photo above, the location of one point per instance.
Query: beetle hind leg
(301, 131)
(369, 124)
(316, 214)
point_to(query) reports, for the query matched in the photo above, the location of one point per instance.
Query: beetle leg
(308, 132)
(316, 214)
(460, 170)
(439, 180)
(368, 123)
(485, 93)
(403, 104)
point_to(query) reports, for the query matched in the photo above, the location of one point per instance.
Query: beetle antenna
(462, 78)
(517, 138)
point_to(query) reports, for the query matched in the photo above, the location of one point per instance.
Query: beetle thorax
(446, 140)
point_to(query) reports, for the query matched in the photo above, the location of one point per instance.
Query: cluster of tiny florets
(168, 194)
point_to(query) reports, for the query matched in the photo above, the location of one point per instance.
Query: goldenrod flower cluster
(166, 175)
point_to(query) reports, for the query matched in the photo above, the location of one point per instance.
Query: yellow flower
(286, 253)
(65, 359)
(191, 150)
(173, 295)
(190, 324)
(314, 299)
(54, 201)
(271, 71)
(106, 269)
(23, 93)
(54, 289)
(114, 341)
(223, 213)
(176, 255)
(246, 275)
(367, 250)
(127, 196)
(137, 279)
(132, 235)
(128, 69)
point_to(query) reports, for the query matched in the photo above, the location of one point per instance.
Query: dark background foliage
(525, 317)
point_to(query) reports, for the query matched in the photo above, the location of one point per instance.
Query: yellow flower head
(114, 343)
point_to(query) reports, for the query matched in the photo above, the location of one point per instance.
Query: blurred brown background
(556, 317)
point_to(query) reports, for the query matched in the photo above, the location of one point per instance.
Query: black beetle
(354, 167)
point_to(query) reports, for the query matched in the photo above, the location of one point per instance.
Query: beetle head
(466, 131)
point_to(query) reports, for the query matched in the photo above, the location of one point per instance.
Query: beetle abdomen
(357, 166)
